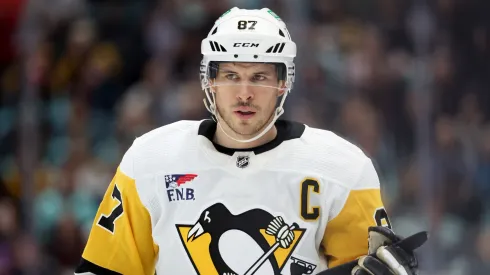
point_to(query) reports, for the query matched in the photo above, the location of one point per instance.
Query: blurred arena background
(407, 80)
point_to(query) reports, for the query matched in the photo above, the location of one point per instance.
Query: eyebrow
(225, 71)
(263, 72)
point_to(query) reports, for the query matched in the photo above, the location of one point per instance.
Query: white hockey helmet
(242, 35)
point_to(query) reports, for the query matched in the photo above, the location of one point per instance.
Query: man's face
(246, 95)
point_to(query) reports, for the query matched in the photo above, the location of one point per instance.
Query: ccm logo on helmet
(246, 45)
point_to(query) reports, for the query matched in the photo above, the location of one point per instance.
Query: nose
(245, 93)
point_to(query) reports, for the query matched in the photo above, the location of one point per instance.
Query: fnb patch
(174, 190)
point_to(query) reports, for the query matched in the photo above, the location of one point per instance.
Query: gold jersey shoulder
(346, 234)
(120, 240)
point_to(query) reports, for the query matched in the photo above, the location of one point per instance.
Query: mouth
(244, 114)
(195, 232)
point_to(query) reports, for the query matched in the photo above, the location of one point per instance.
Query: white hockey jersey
(180, 204)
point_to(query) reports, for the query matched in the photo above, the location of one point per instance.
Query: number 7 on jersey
(108, 222)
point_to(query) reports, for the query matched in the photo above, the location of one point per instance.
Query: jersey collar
(286, 130)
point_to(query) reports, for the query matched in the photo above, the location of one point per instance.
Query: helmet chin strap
(277, 113)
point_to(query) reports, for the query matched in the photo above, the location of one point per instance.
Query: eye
(231, 76)
(206, 217)
(259, 77)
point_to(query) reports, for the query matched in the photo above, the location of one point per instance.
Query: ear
(212, 87)
(282, 88)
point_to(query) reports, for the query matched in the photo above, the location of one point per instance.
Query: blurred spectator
(29, 258)
(63, 199)
(482, 258)
(482, 178)
(9, 227)
(66, 243)
(9, 18)
(81, 37)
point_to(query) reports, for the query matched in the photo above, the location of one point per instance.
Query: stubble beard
(243, 127)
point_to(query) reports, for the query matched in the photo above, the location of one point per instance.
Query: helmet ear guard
(281, 71)
(213, 69)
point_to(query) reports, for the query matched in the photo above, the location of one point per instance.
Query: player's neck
(222, 139)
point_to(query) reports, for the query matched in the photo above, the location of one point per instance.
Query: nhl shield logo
(242, 161)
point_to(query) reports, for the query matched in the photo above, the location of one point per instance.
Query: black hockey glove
(388, 255)
(385, 257)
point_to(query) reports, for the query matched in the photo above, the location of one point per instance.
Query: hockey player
(244, 193)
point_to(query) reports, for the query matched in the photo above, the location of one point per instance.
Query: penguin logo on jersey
(251, 243)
